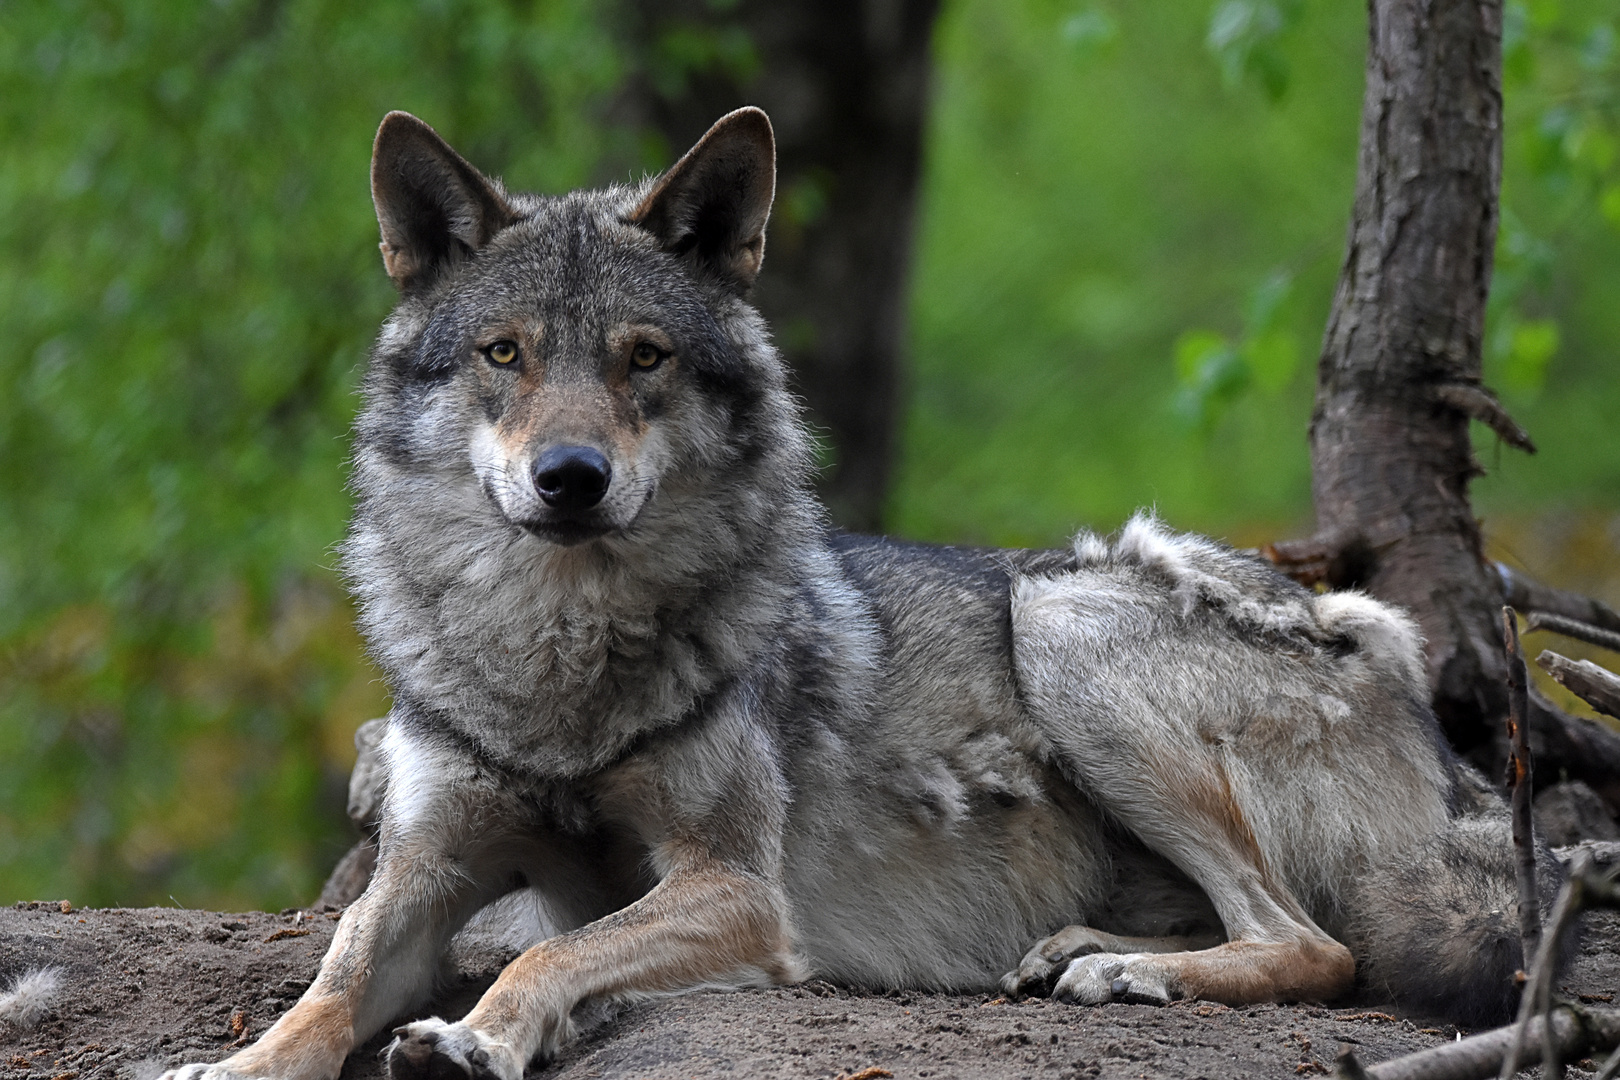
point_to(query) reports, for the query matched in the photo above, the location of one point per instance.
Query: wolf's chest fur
(553, 674)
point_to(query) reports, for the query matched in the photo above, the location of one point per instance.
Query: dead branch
(1333, 558)
(1584, 748)
(1576, 1032)
(1529, 595)
(1592, 684)
(1292, 557)
(1574, 628)
(1473, 400)
(1520, 774)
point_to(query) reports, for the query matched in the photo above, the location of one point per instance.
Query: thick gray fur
(925, 759)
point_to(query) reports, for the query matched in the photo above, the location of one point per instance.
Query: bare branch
(1592, 684)
(1520, 775)
(1474, 400)
(1527, 595)
(1574, 628)
(1337, 558)
(1584, 748)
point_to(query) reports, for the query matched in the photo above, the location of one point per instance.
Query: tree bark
(1399, 377)
(846, 85)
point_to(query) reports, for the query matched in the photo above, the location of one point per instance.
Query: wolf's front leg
(437, 865)
(705, 924)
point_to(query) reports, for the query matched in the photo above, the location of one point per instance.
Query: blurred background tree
(1128, 222)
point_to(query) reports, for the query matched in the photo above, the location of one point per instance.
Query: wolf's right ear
(712, 205)
(432, 205)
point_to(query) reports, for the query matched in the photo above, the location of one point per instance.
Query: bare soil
(145, 989)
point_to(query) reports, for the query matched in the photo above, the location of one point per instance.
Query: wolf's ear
(712, 205)
(433, 207)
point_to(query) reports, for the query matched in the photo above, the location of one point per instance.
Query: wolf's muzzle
(572, 478)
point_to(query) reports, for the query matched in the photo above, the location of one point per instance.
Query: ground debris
(135, 998)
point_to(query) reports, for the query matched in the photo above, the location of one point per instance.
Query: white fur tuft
(1089, 548)
(1385, 633)
(31, 999)
(1201, 571)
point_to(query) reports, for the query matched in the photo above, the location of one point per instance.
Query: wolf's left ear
(433, 207)
(712, 205)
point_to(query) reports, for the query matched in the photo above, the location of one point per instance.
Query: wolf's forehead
(576, 252)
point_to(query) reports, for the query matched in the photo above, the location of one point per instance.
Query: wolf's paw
(1048, 958)
(1135, 978)
(434, 1050)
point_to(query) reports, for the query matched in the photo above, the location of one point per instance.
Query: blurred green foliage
(189, 280)
(1132, 220)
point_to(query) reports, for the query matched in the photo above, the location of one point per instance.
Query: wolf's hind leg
(1218, 752)
(1236, 973)
(1048, 958)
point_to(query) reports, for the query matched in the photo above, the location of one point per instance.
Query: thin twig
(1527, 594)
(1520, 775)
(1573, 628)
(1592, 684)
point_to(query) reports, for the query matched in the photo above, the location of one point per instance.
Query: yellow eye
(502, 352)
(646, 355)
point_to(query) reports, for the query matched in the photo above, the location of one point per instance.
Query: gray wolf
(649, 702)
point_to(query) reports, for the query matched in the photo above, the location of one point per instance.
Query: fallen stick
(1575, 1032)
(1574, 628)
(1592, 684)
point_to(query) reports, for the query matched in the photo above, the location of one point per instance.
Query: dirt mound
(145, 989)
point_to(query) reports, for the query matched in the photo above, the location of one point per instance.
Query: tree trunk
(1399, 377)
(846, 84)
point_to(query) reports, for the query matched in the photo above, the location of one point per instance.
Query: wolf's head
(587, 364)
(582, 481)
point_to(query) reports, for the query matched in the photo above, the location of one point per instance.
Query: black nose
(572, 477)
